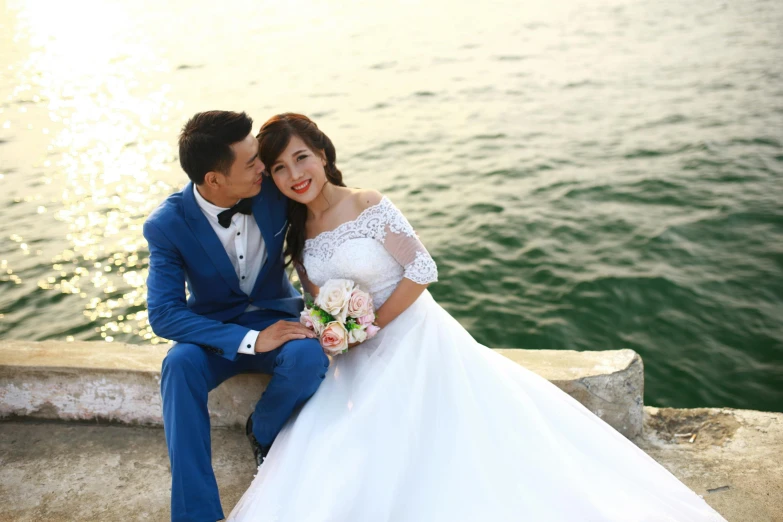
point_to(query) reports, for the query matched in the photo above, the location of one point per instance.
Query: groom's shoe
(259, 450)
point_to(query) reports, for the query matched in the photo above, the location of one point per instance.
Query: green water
(588, 175)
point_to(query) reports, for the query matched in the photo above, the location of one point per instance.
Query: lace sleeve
(401, 241)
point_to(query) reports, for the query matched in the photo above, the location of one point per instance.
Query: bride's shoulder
(360, 202)
(366, 198)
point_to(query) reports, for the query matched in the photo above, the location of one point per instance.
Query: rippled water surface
(588, 175)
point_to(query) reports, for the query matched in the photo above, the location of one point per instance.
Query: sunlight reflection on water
(102, 149)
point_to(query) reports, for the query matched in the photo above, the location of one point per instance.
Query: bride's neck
(324, 201)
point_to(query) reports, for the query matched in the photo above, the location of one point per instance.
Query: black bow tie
(244, 206)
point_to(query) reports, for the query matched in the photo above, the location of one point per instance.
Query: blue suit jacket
(185, 249)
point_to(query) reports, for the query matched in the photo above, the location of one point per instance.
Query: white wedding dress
(423, 424)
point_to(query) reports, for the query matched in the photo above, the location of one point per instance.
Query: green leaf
(322, 315)
(351, 324)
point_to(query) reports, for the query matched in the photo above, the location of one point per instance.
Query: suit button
(249, 299)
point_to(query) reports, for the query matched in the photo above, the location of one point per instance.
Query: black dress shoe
(259, 450)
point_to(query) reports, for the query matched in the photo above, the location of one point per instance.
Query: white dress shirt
(246, 250)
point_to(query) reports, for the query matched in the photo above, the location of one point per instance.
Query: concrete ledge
(120, 382)
(81, 381)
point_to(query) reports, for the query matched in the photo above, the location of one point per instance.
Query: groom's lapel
(206, 236)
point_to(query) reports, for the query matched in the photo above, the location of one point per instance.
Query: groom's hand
(273, 337)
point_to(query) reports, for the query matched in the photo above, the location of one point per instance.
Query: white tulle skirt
(423, 424)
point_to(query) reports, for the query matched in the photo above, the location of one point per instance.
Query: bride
(421, 423)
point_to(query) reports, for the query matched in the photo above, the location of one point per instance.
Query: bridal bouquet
(342, 314)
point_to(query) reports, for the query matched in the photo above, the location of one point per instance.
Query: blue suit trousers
(189, 373)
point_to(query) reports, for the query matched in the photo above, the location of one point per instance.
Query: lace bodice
(376, 250)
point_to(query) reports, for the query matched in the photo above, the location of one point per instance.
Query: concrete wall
(120, 382)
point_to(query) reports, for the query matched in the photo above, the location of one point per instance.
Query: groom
(222, 237)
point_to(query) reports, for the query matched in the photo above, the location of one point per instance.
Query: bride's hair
(273, 138)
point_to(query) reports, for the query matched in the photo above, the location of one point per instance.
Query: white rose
(318, 323)
(334, 297)
(318, 326)
(357, 335)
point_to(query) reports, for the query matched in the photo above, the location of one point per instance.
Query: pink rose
(306, 319)
(372, 330)
(360, 304)
(334, 338)
(366, 319)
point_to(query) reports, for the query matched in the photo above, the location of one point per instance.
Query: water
(588, 175)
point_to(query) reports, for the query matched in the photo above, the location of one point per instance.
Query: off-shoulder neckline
(341, 225)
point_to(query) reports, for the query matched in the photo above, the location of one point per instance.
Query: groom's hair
(205, 142)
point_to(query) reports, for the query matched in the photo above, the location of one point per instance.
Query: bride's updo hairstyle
(273, 139)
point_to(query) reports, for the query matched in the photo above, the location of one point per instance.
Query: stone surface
(734, 461)
(58, 471)
(119, 382)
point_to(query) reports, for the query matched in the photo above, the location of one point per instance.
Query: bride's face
(299, 171)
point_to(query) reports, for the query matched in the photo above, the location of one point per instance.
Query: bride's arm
(403, 296)
(307, 285)
(400, 240)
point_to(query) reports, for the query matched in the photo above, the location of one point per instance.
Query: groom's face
(244, 177)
